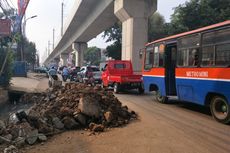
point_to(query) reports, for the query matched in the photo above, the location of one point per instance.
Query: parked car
(88, 72)
(119, 74)
(40, 70)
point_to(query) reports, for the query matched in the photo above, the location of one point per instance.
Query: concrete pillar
(57, 61)
(134, 17)
(79, 48)
(63, 59)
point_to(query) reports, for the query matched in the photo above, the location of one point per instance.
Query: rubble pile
(75, 106)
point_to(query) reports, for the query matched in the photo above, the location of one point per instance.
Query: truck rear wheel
(220, 109)
(116, 87)
(160, 98)
(141, 90)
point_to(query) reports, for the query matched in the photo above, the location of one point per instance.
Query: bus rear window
(119, 66)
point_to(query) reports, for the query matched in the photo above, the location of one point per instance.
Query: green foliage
(199, 13)
(157, 28)
(114, 50)
(29, 52)
(8, 68)
(114, 34)
(92, 55)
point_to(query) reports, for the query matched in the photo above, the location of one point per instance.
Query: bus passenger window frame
(214, 41)
(148, 50)
(191, 50)
(159, 55)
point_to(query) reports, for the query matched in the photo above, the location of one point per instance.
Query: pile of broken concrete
(75, 106)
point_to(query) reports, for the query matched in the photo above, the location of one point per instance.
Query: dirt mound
(75, 106)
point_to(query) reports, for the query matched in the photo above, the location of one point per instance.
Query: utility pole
(62, 6)
(48, 48)
(46, 55)
(53, 37)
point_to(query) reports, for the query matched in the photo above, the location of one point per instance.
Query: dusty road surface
(34, 82)
(171, 128)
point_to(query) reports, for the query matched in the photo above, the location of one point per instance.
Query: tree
(93, 55)
(114, 34)
(157, 28)
(6, 53)
(199, 13)
(30, 52)
(114, 50)
(7, 56)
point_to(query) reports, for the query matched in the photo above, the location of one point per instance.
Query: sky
(40, 29)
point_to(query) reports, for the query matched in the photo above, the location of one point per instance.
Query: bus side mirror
(102, 69)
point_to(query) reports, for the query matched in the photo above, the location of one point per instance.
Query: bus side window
(208, 56)
(223, 55)
(193, 57)
(188, 51)
(216, 48)
(188, 57)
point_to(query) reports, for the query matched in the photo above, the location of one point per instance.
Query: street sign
(5, 25)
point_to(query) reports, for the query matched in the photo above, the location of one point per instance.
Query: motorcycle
(64, 77)
(89, 79)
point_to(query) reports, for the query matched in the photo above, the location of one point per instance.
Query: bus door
(170, 65)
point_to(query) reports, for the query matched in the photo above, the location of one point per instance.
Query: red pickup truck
(119, 75)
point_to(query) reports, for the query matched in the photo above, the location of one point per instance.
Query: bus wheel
(116, 87)
(220, 109)
(160, 98)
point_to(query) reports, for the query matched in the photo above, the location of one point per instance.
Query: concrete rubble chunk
(42, 137)
(70, 123)
(11, 149)
(2, 124)
(80, 118)
(9, 137)
(2, 127)
(96, 127)
(32, 137)
(57, 123)
(4, 140)
(89, 106)
(20, 141)
(108, 116)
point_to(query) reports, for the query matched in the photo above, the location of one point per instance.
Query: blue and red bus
(193, 66)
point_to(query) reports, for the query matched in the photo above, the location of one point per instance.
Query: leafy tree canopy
(114, 34)
(199, 13)
(93, 55)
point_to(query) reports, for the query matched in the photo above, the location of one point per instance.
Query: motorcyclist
(65, 73)
(53, 73)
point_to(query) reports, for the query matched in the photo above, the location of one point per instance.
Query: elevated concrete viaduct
(91, 17)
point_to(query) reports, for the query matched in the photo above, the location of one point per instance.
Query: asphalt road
(193, 121)
(161, 128)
